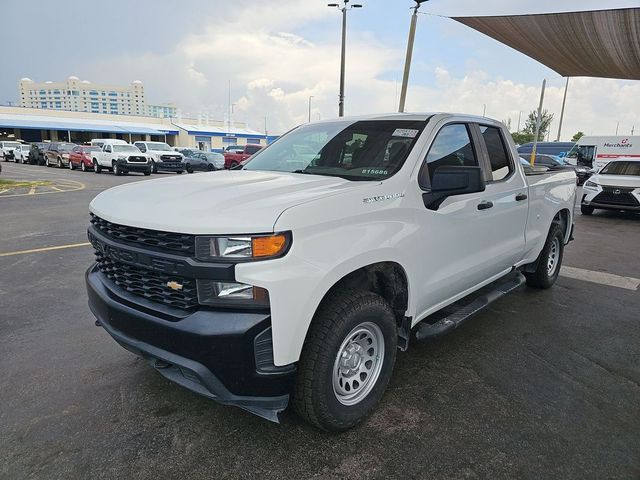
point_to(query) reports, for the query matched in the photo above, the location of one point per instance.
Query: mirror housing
(450, 181)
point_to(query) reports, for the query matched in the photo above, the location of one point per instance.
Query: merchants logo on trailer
(624, 143)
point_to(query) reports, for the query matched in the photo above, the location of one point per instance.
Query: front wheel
(71, 167)
(117, 171)
(188, 168)
(549, 261)
(96, 167)
(347, 360)
(83, 166)
(586, 209)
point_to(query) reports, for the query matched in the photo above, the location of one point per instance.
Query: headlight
(215, 293)
(241, 247)
(591, 184)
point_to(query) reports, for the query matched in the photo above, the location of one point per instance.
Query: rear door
(506, 192)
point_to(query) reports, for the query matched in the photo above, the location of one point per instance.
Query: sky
(276, 54)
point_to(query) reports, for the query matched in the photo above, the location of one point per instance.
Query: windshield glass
(91, 149)
(364, 150)
(11, 144)
(213, 156)
(65, 147)
(125, 148)
(159, 146)
(621, 168)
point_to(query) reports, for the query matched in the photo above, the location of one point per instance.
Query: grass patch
(23, 183)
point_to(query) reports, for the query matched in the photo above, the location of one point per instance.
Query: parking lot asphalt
(544, 384)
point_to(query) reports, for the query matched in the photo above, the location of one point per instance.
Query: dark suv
(58, 154)
(37, 153)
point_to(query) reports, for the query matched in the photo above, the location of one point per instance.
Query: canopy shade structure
(601, 43)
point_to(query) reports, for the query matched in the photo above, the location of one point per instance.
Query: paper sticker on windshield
(405, 132)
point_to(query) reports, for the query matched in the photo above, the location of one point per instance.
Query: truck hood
(630, 181)
(223, 202)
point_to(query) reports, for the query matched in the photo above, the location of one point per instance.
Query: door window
(452, 147)
(499, 157)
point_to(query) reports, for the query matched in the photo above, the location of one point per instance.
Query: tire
(71, 167)
(326, 396)
(147, 173)
(211, 168)
(83, 166)
(116, 170)
(586, 209)
(59, 163)
(234, 164)
(154, 169)
(179, 173)
(96, 167)
(188, 168)
(549, 261)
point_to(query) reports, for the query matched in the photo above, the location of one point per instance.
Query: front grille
(174, 158)
(179, 243)
(135, 158)
(150, 284)
(622, 196)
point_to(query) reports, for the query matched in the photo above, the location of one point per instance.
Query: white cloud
(274, 71)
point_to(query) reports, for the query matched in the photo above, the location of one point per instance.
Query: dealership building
(38, 124)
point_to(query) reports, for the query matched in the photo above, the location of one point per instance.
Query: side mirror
(450, 181)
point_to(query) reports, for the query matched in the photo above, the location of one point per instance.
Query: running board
(426, 331)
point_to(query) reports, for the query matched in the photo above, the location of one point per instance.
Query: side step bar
(426, 331)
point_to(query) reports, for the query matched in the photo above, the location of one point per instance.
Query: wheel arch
(564, 219)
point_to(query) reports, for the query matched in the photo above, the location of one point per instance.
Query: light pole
(310, 97)
(407, 60)
(564, 101)
(484, 109)
(343, 9)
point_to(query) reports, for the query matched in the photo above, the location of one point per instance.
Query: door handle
(520, 197)
(485, 205)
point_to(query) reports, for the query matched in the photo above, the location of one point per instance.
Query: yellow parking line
(45, 249)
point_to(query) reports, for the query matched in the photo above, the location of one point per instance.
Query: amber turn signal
(268, 246)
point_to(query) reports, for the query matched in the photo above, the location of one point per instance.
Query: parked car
(298, 280)
(553, 162)
(81, 156)
(37, 153)
(615, 187)
(57, 153)
(6, 149)
(558, 149)
(204, 161)
(120, 159)
(21, 153)
(187, 152)
(234, 157)
(163, 157)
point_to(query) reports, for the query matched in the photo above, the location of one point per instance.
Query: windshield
(125, 148)
(213, 156)
(159, 146)
(65, 147)
(364, 150)
(11, 144)
(621, 168)
(91, 149)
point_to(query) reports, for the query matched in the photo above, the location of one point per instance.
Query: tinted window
(452, 148)
(498, 155)
(621, 168)
(251, 149)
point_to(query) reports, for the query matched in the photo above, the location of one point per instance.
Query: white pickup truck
(299, 277)
(163, 157)
(120, 158)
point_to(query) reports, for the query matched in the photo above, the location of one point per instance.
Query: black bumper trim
(205, 352)
(611, 206)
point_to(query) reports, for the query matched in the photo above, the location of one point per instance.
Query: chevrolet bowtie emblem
(174, 285)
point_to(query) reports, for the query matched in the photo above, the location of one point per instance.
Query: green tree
(545, 123)
(577, 136)
(521, 137)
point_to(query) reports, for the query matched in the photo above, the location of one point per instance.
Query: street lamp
(407, 61)
(310, 97)
(343, 9)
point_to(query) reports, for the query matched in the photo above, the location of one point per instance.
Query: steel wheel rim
(554, 253)
(358, 363)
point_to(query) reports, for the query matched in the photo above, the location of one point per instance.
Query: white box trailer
(596, 152)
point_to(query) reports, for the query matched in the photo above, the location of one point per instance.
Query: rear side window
(252, 149)
(498, 156)
(452, 147)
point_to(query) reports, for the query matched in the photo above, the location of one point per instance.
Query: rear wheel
(234, 164)
(211, 168)
(83, 166)
(347, 360)
(117, 171)
(71, 167)
(96, 167)
(188, 168)
(586, 209)
(549, 261)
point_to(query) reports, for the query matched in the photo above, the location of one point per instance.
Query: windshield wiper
(306, 172)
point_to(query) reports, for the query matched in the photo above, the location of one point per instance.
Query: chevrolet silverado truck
(235, 156)
(163, 157)
(120, 158)
(297, 278)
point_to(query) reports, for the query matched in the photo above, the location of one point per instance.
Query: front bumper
(170, 166)
(210, 352)
(134, 166)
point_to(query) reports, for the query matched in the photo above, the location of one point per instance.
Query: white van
(101, 142)
(596, 152)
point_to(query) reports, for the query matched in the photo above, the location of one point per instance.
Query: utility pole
(617, 126)
(519, 116)
(484, 109)
(564, 100)
(532, 160)
(229, 109)
(310, 97)
(343, 9)
(407, 60)
(266, 135)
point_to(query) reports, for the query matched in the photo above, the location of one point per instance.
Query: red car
(80, 157)
(234, 156)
